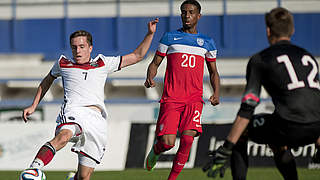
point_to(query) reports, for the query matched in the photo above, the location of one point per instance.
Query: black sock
(286, 165)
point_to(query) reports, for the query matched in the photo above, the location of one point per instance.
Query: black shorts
(271, 129)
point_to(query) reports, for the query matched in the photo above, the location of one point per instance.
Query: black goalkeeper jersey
(290, 76)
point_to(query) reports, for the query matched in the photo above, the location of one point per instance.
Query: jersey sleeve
(251, 96)
(163, 46)
(211, 54)
(55, 70)
(112, 62)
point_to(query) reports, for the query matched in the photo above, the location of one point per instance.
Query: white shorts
(82, 159)
(90, 131)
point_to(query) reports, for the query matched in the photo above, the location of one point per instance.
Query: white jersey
(84, 84)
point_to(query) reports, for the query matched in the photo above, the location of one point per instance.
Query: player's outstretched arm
(42, 90)
(215, 83)
(139, 53)
(152, 71)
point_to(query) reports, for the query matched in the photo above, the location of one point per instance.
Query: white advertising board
(20, 142)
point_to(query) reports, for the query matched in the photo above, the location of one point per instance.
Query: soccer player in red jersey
(181, 104)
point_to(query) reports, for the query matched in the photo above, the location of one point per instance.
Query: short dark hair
(82, 33)
(193, 2)
(280, 21)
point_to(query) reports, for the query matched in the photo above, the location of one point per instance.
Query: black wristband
(228, 145)
(246, 111)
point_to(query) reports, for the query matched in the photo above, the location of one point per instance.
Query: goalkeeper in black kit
(290, 76)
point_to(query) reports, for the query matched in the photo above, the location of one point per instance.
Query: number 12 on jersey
(295, 83)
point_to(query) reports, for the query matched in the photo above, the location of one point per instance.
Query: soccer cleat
(71, 176)
(151, 160)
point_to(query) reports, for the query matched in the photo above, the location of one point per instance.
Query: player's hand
(214, 100)
(152, 26)
(217, 162)
(150, 83)
(27, 112)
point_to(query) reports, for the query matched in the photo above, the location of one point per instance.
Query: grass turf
(161, 174)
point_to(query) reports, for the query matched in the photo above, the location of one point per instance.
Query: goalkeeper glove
(219, 158)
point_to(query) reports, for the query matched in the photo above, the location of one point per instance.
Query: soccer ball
(32, 174)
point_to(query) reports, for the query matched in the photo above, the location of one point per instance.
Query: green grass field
(161, 174)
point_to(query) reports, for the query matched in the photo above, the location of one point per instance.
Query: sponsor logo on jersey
(177, 38)
(200, 41)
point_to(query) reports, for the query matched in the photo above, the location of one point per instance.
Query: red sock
(160, 147)
(46, 153)
(181, 156)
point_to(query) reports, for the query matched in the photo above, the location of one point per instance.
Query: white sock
(37, 163)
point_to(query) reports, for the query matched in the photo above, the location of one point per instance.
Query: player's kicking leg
(48, 150)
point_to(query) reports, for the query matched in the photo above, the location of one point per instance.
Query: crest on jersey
(200, 41)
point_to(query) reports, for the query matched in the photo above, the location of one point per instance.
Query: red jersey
(186, 54)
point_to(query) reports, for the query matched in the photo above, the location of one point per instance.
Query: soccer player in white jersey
(181, 104)
(82, 118)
